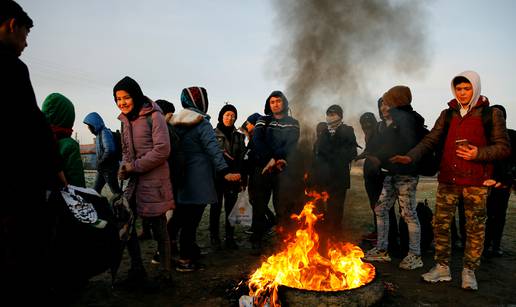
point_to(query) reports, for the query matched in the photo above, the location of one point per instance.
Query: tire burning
(300, 265)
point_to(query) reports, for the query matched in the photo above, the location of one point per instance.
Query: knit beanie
(279, 94)
(335, 109)
(397, 96)
(253, 118)
(225, 108)
(195, 97)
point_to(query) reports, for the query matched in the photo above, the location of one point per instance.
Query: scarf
(333, 125)
(61, 132)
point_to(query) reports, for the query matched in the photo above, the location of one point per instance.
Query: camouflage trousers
(401, 188)
(474, 199)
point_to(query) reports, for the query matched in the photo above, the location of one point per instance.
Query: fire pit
(306, 276)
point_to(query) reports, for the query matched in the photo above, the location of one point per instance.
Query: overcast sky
(82, 48)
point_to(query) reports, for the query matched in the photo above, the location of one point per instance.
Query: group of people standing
(472, 139)
(216, 164)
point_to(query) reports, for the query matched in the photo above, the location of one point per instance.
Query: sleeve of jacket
(431, 140)
(108, 145)
(499, 146)
(161, 146)
(211, 146)
(291, 139)
(350, 148)
(262, 150)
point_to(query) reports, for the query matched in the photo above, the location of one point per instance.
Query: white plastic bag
(242, 212)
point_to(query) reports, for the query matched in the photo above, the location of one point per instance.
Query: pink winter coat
(148, 148)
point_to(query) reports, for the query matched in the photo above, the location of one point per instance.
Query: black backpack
(176, 159)
(117, 139)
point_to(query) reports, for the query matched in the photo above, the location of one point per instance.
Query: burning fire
(301, 265)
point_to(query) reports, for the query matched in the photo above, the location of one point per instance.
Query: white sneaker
(411, 262)
(377, 255)
(438, 273)
(468, 279)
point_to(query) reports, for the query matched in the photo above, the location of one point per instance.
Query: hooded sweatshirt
(275, 138)
(453, 169)
(104, 142)
(474, 78)
(60, 114)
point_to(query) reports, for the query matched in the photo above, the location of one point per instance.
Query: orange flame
(301, 265)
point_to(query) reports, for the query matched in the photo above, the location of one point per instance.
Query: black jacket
(32, 160)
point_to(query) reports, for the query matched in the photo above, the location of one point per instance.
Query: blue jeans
(403, 188)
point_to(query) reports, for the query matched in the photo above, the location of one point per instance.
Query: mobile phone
(461, 143)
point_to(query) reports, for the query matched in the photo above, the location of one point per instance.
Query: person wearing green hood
(60, 114)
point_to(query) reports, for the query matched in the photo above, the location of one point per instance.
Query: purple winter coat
(148, 149)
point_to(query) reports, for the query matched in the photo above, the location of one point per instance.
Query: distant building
(89, 156)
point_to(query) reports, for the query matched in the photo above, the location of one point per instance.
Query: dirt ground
(225, 269)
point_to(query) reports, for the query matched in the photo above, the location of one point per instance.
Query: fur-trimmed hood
(186, 117)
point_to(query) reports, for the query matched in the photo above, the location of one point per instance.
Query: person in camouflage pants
(448, 196)
(465, 172)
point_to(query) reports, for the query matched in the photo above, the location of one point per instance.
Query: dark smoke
(332, 51)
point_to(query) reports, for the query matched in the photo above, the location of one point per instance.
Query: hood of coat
(93, 119)
(267, 109)
(474, 79)
(195, 97)
(397, 96)
(59, 110)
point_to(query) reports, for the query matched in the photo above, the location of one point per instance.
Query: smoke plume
(336, 52)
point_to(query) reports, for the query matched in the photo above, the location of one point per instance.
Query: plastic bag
(242, 212)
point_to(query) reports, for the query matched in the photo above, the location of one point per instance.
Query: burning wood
(301, 266)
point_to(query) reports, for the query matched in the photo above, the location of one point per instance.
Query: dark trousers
(158, 225)
(270, 217)
(226, 193)
(497, 203)
(266, 185)
(332, 222)
(189, 216)
(25, 241)
(109, 176)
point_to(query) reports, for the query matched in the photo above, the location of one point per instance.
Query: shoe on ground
(411, 262)
(377, 255)
(186, 266)
(155, 258)
(437, 273)
(469, 281)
